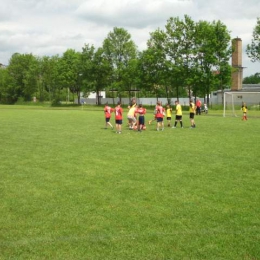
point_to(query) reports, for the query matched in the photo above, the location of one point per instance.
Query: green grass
(70, 189)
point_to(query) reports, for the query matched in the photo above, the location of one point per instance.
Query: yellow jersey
(168, 112)
(244, 109)
(192, 108)
(178, 110)
(131, 111)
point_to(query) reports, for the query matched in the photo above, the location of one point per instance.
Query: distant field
(69, 189)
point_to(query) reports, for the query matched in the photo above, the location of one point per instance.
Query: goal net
(233, 102)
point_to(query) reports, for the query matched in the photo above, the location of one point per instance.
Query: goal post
(233, 102)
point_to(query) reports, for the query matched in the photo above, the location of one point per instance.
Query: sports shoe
(174, 127)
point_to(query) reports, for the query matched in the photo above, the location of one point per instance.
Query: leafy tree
(101, 71)
(49, 83)
(8, 94)
(71, 71)
(223, 54)
(152, 64)
(253, 49)
(87, 59)
(212, 54)
(253, 79)
(96, 70)
(119, 49)
(23, 69)
(180, 48)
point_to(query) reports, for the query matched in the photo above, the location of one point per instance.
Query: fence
(125, 101)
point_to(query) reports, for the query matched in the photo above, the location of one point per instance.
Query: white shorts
(131, 118)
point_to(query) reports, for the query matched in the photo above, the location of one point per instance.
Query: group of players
(138, 122)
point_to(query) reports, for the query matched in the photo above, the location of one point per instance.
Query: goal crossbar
(242, 95)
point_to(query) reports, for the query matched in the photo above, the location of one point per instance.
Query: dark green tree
(180, 50)
(96, 70)
(23, 69)
(71, 71)
(49, 76)
(119, 49)
(151, 65)
(213, 51)
(101, 72)
(8, 93)
(253, 79)
(253, 49)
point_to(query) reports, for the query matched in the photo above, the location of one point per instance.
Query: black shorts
(159, 119)
(119, 122)
(192, 115)
(107, 119)
(141, 120)
(178, 117)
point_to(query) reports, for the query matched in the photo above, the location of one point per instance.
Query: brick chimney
(237, 69)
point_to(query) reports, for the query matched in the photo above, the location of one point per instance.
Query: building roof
(246, 88)
(250, 88)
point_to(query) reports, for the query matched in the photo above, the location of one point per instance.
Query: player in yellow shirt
(168, 114)
(131, 114)
(244, 110)
(178, 116)
(192, 113)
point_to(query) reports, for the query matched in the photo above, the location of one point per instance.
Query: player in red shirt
(155, 115)
(118, 117)
(160, 115)
(108, 110)
(141, 111)
(198, 107)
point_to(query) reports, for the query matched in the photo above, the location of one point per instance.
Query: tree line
(186, 58)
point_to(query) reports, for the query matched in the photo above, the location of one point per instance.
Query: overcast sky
(50, 27)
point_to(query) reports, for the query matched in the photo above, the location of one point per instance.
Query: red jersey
(108, 110)
(118, 113)
(160, 111)
(198, 103)
(141, 111)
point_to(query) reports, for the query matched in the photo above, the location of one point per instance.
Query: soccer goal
(233, 102)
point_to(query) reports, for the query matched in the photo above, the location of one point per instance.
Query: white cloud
(47, 27)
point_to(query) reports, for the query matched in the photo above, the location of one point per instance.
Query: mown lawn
(69, 189)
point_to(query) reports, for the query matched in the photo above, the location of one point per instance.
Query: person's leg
(108, 123)
(162, 124)
(181, 121)
(175, 123)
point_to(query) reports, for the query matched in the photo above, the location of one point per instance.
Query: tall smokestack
(237, 72)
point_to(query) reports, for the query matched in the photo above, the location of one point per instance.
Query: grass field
(69, 189)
